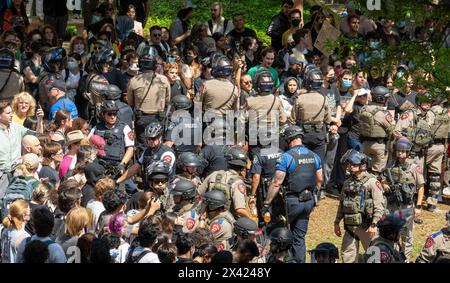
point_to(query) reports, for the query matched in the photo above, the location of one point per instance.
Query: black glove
(121, 167)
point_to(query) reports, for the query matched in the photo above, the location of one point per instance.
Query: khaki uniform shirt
(190, 216)
(308, 109)
(219, 95)
(436, 245)
(221, 227)
(266, 108)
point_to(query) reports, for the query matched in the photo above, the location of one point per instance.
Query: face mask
(96, 19)
(188, 59)
(295, 23)
(72, 65)
(332, 80)
(346, 83)
(374, 44)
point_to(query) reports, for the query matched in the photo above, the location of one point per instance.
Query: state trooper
(405, 180)
(437, 246)
(265, 107)
(11, 81)
(219, 220)
(148, 94)
(102, 62)
(188, 168)
(155, 151)
(219, 94)
(186, 206)
(375, 128)
(385, 245)
(183, 127)
(299, 171)
(281, 241)
(244, 228)
(53, 63)
(361, 205)
(324, 253)
(312, 112)
(230, 182)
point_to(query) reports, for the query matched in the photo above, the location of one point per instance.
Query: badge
(215, 228)
(131, 136)
(242, 188)
(404, 116)
(190, 223)
(378, 184)
(388, 117)
(429, 243)
(168, 159)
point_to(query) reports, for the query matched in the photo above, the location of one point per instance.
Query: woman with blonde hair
(78, 219)
(14, 234)
(23, 106)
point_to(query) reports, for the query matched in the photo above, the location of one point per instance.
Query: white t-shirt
(97, 208)
(138, 28)
(150, 257)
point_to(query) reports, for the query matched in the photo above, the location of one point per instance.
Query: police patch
(190, 223)
(378, 184)
(419, 169)
(168, 159)
(131, 136)
(388, 117)
(221, 247)
(404, 116)
(215, 228)
(242, 188)
(429, 243)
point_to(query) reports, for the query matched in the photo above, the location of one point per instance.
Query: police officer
(375, 128)
(218, 220)
(437, 246)
(312, 112)
(189, 165)
(118, 136)
(265, 106)
(386, 243)
(52, 62)
(183, 128)
(11, 81)
(324, 253)
(405, 180)
(103, 62)
(246, 229)
(281, 241)
(186, 206)
(361, 205)
(230, 182)
(219, 94)
(214, 148)
(156, 151)
(299, 170)
(148, 93)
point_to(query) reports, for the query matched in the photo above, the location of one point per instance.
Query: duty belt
(377, 140)
(310, 127)
(302, 197)
(438, 141)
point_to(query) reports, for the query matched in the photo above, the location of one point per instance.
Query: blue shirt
(63, 104)
(286, 160)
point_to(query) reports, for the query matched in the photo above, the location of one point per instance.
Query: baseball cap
(363, 91)
(31, 160)
(74, 137)
(297, 59)
(56, 84)
(99, 143)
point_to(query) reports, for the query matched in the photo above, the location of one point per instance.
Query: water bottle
(253, 212)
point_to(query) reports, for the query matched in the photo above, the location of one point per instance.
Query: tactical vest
(422, 134)
(368, 126)
(222, 184)
(303, 176)
(394, 255)
(358, 203)
(406, 183)
(441, 125)
(114, 139)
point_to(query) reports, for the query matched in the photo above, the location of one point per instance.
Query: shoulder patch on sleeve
(131, 135)
(388, 117)
(404, 116)
(215, 228)
(419, 169)
(168, 159)
(190, 223)
(378, 184)
(241, 188)
(429, 242)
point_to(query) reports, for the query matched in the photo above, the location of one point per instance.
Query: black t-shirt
(234, 35)
(116, 77)
(394, 102)
(54, 8)
(50, 174)
(345, 97)
(354, 120)
(214, 155)
(88, 194)
(333, 96)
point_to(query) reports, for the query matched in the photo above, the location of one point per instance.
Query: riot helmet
(292, 132)
(282, 238)
(236, 157)
(158, 170)
(389, 225)
(108, 106)
(313, 77)
(53, 56)
(403, 144)
(214, 199)
(148, 58)
(245, 226)
(380, 94)
(184, 188)
(181, 102)
(221, 67)
(7, 59)
(105, 57)
(264, 82)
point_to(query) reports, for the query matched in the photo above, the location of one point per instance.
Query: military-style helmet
(264, 81)
(245, 226)
(313, 77)
(328, 249)
(53, 55)
(380, 94)
(147, 58)
(158, 170)
(153, 130)
(236, 156)
(189, 159)
(221, 67)
(392, 223)
(181, 102)
(108, 105)
(403, 144)
(355, 157)
(184, 188)
(113, 92)
(7, 59)
(214, 199)
(292, 132)
(282, 237)
(106, 56)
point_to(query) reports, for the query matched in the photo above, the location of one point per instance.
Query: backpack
(369, 127)
(19, 188)
(135, 259)
(441, 125)
(423, 134)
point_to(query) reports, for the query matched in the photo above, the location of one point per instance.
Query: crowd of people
(127, 149)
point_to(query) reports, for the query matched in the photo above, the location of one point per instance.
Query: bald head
(31, 144)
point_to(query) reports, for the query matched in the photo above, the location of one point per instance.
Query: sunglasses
(111, 113)
(159, 181)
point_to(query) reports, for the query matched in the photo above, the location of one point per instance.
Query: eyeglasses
(96, 48)
(159, 181)
(111, 113)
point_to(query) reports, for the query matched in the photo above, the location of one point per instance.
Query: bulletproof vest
(114, 138)
(268, 162)
(441, 125)
(368, 126)
(151, 156)
(188, 124)
(385, 246)
(303, 176)
(405, 183)
(357, 203)
(421, 132)
(125, 113)
(223, 182)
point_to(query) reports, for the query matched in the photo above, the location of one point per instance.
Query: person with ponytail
(62, 124)
(14, 232)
